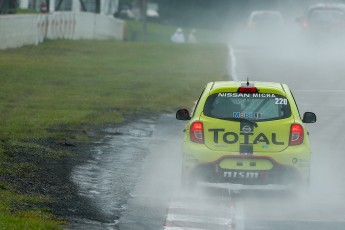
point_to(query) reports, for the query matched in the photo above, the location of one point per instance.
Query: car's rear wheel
(299, 188)
(186, 181)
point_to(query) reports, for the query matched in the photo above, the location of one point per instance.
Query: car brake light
(296, 134)
(247, 89)
(197, 132)
(305, 24)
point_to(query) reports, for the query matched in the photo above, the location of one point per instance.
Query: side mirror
(309, 117)
(182, 114)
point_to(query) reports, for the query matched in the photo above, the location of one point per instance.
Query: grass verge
(157, 32)
(60, 90)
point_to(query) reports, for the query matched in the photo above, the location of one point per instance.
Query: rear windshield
(253, 106)
(266, 19)
(326, 15)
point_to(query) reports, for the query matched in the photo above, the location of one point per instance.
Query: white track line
(199, 219)
(199, 213)
(182, 228)
(237, 214)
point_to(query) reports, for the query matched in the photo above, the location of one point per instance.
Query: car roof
(270, 12)
(327, 6)
(263, 87)
(276, 14)
(266, 12)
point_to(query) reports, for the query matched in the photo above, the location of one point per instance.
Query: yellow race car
(246, 133)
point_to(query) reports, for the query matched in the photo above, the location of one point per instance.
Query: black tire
(186, 181)
(299, 188)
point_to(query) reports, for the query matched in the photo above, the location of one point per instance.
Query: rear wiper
(240, 119)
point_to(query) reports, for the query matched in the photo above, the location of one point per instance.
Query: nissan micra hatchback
(246, 133)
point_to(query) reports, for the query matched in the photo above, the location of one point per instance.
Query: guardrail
(19, 30)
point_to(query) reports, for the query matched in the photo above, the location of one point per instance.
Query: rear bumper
(276, 174)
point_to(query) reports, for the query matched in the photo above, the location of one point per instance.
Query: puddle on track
(113, 170)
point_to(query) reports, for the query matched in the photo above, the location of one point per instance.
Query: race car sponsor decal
(302, 163)
(249, 175)
(246, 129)
(248, 95)
(233, 138)
(247, 115)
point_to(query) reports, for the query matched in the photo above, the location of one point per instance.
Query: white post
(103, 7)
(76, 6)
(24, 4)
(114, 6)
(109, 7)
(51, 6)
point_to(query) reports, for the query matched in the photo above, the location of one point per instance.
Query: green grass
(72, 83)
(157, 32)
(26, 11)
(19, 212)
(62, 88)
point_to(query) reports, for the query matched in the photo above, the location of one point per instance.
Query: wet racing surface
(134, 175)
(107, 179)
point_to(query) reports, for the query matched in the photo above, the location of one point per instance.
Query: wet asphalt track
(133, 177)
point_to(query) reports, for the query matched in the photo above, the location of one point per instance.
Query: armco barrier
(19, 30)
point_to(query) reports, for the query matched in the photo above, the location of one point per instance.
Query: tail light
(247, 89)
(197, 132)
(296, 134)
(305, 24)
